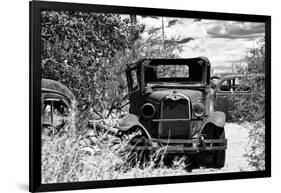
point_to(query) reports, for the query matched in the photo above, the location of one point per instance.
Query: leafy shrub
(255, 152)
(88, 52)
(251, 108)
(78, 50)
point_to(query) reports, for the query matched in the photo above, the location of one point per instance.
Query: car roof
(48, 85)
(236, 75)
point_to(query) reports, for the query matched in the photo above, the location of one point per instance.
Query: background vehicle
(232, 87)
(56, 101)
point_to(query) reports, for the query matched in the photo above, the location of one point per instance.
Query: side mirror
(214, 81)
(213, 85)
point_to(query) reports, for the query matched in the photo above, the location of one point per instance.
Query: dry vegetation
(89, 155)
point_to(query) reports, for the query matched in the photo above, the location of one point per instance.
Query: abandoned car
(57, 101)
(171, 107)
(231, 88)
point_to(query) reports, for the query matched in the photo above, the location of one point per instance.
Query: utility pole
(163, 34)
(133, 19)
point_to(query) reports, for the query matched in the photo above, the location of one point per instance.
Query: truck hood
(159, 93)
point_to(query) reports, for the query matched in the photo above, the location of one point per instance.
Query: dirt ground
(237, 136)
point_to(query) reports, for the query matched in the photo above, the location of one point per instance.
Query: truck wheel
(219, 155)
(210, 159)
(138, 157)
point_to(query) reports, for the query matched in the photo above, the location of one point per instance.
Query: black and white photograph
(128, 96)
(140, 96)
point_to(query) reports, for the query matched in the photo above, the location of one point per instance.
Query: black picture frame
(35, 96)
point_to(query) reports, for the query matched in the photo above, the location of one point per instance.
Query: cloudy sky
(223, 42)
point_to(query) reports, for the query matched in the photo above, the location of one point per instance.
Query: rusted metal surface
(228, 89)
(176, 120)
(57, 102)
(179, 149)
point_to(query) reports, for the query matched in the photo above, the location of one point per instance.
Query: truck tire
(137, 157)
(219, 155)
(210, 159)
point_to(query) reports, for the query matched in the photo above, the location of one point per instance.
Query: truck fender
(130, 121)
(217, 118)
(213, 124)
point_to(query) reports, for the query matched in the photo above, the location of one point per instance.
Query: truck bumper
(179, 145)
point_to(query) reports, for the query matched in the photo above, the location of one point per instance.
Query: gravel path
(237, 136)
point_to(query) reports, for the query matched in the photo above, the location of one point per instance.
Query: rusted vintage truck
(171, 107)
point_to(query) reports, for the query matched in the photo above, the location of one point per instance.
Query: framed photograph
(127, 96)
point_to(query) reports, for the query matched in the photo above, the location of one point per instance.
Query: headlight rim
(196, 106)
(142, 110)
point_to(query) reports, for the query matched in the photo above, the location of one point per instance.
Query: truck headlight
(198, 109)
(148, 110)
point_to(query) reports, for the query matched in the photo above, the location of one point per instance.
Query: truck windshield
(174, 73)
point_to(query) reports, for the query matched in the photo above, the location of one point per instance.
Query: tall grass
(83, 154)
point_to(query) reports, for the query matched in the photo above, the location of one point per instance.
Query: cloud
(147, 16)
(235, 30)
(181, 41)
(197, 20)
(223, 42)
(149, 22)
(153, 30)
(172, 22)
(185, 40)
(184, 28)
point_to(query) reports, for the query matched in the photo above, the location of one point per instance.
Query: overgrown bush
(78, 49)
(251, 107)
(88, 53)
(255, 152)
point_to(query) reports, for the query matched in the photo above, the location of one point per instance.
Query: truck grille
(175, 117)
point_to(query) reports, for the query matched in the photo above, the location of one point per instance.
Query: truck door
(222, 96)
(133, 89)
